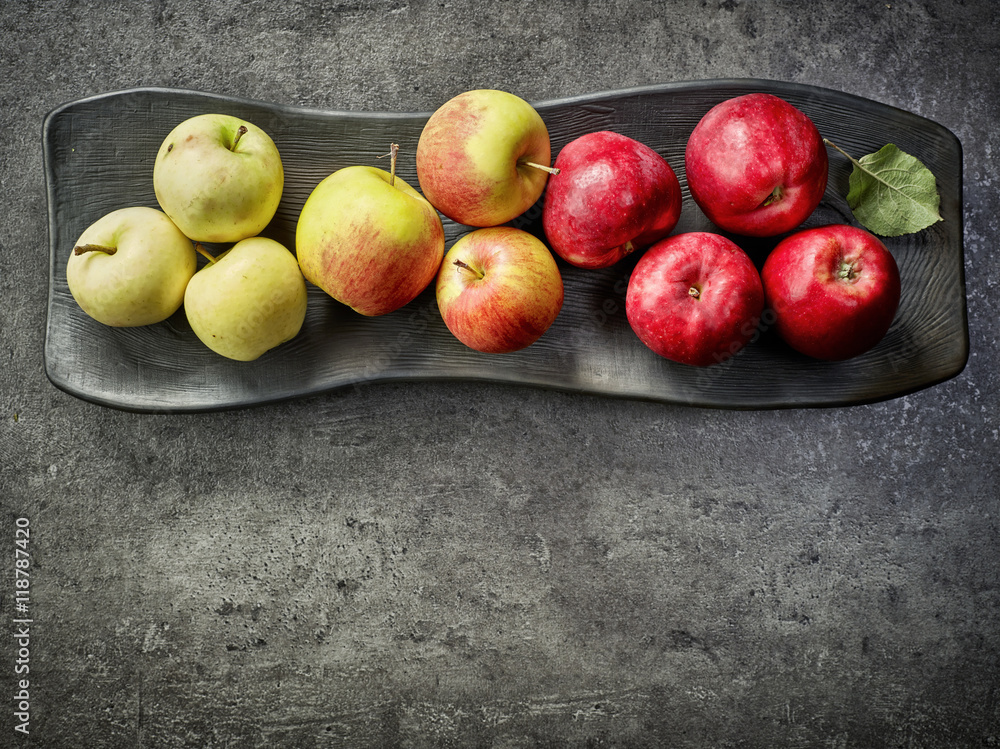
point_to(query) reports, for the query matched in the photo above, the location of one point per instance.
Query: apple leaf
(891, 192)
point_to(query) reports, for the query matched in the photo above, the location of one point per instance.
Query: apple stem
(84, 248)
(468, 267)
(695, 292)
(838, 148)
(549, 169)
(393, 151)
(774, 197)
(204, 253)
(239, 134)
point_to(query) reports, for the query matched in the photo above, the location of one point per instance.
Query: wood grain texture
(99, 155)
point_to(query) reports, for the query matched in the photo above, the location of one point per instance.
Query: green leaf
(891, 192)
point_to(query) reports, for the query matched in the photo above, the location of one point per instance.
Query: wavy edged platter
(99, 155)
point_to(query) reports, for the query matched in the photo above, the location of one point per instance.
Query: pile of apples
(755, 165)
(218, 179)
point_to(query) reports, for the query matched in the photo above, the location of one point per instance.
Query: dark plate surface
(99, 155)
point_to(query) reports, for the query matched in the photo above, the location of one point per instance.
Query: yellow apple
(219, 178)
(131, 267)
(248, 300)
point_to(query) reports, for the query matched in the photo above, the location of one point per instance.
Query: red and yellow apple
(756, 165)
(695, 298)
(611, 196)
(369, 240)
(499, 289)
(834, 291)
(482, 157)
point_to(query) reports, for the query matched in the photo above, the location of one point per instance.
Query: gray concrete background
(470, 565)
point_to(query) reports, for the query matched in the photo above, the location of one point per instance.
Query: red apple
(834, 291)
(756, 165)
(499, 289)
(612, 195)
(483, 157)
(695, 298)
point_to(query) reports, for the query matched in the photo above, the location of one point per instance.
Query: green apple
(219, 178)
(131, 268)
(248, 300)
(499, 289)
(369, 240)
(483, 157)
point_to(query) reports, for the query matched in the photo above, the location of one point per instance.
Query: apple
(248, 300)
(483, 157)
(131, 267)
(499, 289)
(695, 298)
(369, 240)
(834, 290)
(756, 165)
(219, 178)
(611, 196)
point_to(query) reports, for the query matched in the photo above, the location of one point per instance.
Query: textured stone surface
(457, 564)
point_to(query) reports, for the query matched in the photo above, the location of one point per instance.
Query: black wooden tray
(99, 155)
